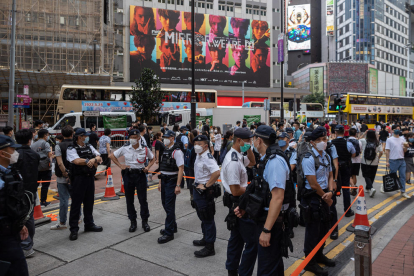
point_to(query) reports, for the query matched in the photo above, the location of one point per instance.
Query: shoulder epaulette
(307, 155)
(234, 157)
(210, 156)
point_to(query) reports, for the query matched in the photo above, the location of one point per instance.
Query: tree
(314, 98)
(146, 97)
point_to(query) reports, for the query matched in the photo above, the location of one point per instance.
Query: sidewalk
(397, 258)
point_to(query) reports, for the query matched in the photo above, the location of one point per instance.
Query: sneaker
(382, 189)
(405, 195)
(58, 227)
(29, 253)
(372, 192)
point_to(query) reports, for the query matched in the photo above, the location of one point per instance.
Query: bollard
(362, 249)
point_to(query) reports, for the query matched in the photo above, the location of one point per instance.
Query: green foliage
(146, 97)
(314, 98)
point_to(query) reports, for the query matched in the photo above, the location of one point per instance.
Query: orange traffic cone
(122, 191)
(110, 189)
(38, 214)
(361, 216)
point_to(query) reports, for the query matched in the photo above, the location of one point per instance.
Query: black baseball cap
(339, 127)
(243, 133)
(6, 141)
(289, 130)
(265, 132)
(199, 138)
(318, 132)
(134, 132)
(169, 134)
(81, 131)
(283, 135)
(183, 128)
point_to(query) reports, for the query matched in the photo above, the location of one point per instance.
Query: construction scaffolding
(64, 39)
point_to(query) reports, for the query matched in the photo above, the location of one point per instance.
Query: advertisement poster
(316, 80)
(166, 106)
(347, 77)
(228, 50)
(402, 86)
(330, 17)
(204, 118)
(251, 119)
(382, 109)
(106, 106)
(280, 48)
(373, 81)
(112, 122)
(299, 27)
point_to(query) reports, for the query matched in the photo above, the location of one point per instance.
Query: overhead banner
(112, 122)
(167, 106)
(402, 86)
(373, 81)
(299, 27)
(107, 106)
(330, 18)
(228, 50)
(316, 80)
(381, 109)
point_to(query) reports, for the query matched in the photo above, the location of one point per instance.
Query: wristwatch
(335, 180)
(332, 191)
(265, 230)
(205, 186)
(86, 160)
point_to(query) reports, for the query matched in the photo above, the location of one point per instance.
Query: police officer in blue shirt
(206, 173)
(345, 151)
(316, 200)
(331, 151)
(183, 137)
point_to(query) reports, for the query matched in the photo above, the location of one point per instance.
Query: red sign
(5, 107)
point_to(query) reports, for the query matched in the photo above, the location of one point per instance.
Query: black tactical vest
(344, 156)
(290, 193)
(63, 149)
(167, 161)
(84, 153)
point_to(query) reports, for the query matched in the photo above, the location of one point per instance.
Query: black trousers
(27, 244)
(106, 160)
(369, 172)
(44, 176)
(136, 181)
(11, 251)
(83, 191)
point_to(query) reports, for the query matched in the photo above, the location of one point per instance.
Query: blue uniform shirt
(4, 170)
(293, 157)
(322, 175)
(276, 172)
(184, 139)
(349, 146)
(334, 153)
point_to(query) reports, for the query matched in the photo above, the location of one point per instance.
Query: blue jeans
(244, 236)
(64, 194)
(398, 165)
(168, 197)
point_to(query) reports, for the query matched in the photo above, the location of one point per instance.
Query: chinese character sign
(373, 81)
(316, 80)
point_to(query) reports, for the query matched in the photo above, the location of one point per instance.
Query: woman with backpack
(371, 153)
(217, 143)
(408, 156)
(383, 136)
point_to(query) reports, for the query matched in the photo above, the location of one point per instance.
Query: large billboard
(347, 77)
(373, 81)
(228, 50)
(403, 87)
(299, 27)
(330, 17)
(316, 79)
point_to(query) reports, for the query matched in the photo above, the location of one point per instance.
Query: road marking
(340, 247)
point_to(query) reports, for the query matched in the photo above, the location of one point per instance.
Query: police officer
(134, 176)
(84, 159)
(316, 200)
(171, 168)
(292, 141)
(242, 245)
(206, 174)
(345, 151)
(274, 178)
(12, 228)
(331, 151)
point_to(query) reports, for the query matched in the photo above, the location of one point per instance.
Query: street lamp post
(193, 96)
(408, 47)
(12, 65)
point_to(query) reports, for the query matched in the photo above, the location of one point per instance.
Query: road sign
(91, 113)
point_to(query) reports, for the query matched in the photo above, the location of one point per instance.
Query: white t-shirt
(358, 126)
(358, 158)
(217, 142)
(395, 145)
(233, 170)
(370, 162)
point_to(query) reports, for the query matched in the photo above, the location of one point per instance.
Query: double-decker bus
(372, 108)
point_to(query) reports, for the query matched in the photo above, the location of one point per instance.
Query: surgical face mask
(35, 137)
(215, 131)
(86, 140)
(133, 141)
(411, 140)
(57, 142)
(282, 143)
(198, 149)
(167, 142)
(13, 157)
(186, 133)
(245, 147)
(211, 131)
(47, 138)
(397, 132)
(321, 146)
(293, 128)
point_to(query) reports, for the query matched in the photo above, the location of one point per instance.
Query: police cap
(318, 132)
(265, 132)
(200, 138)
(134, 132)
(81, 131)
(183, 128)
(169, 134)
(339, 128)
(289, 130)
(283, 135)
(243, 133)
(6, 141)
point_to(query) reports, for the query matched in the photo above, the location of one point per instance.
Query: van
(76, 119)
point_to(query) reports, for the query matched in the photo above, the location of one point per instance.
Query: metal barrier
(117, 141)
(362, 249)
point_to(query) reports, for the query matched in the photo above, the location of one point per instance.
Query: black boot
(201, 242)
(291, 234)
(313, 267)
(145, 225)
(133, 226)
(232, 273)
(322, 259)
(208, 250)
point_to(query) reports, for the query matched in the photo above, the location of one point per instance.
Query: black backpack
(355, 142)
(370, 152)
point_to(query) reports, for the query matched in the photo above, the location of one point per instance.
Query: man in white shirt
(395, 148)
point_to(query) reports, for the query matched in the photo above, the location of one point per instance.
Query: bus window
(274, 106)
(100, 122)
(382, 101)
(92, 94)
(175, 119)
(372, 100)
(257, 104)
(362, 99)
(106, 95)
(352, 100)
(368, 118)
(70, 94)
(68, 120)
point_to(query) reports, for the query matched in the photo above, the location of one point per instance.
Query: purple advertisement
(280, 48)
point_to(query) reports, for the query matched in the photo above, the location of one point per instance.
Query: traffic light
(339, 103)
(291, 105)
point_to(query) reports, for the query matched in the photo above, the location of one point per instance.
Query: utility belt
(130, 171)
(343, 164)
(312, 215)
(214, 191)
(166, 177)
(232, 202)
(229, 199)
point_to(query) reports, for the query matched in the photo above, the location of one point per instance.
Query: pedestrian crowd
(267, 172)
